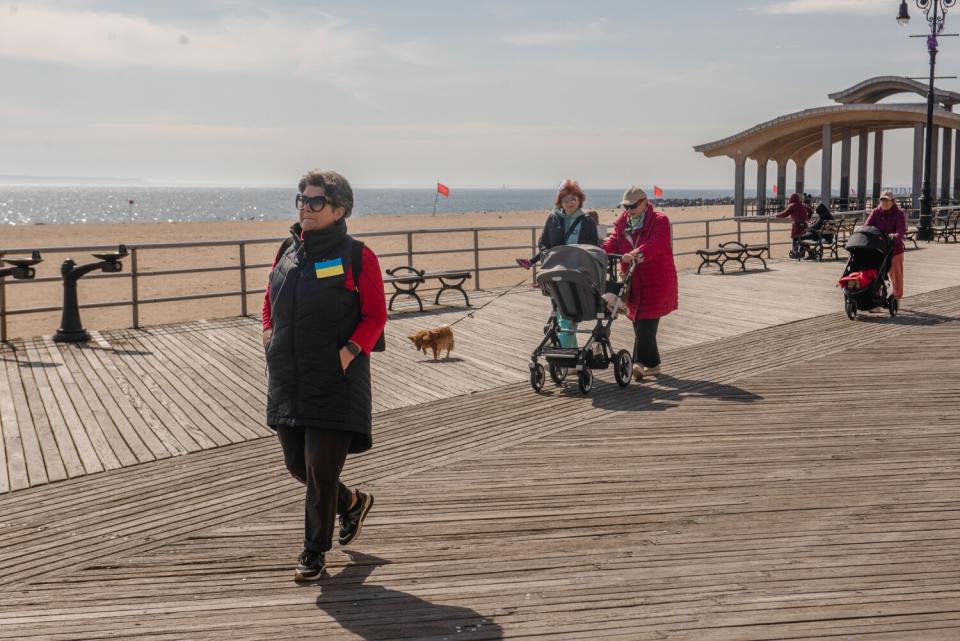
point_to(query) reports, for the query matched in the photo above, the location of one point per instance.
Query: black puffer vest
(314, 315)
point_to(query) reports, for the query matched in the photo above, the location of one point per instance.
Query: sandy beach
(392, 249)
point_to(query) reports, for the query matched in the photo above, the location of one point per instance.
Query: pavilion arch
(798, 136)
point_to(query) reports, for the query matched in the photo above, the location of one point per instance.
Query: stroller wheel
(557, 373)
(537, 377)
(894, 306)
(850, 306)
(623, 367)
(585, 379)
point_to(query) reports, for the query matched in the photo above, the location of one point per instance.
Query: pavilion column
(800, 171)
(945, 164)
(845, 168)
(934, 164)
(917, 165)
(782, 179)
(738, 185)
(826, 165)
(761, 186)
(956, 165)
(862, 169)
(877, 165)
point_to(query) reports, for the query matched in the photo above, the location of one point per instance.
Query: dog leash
(474, 311)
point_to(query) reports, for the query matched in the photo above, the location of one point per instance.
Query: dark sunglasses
(313, 203)
(633, 206)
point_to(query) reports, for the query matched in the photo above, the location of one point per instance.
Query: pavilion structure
(798, 136)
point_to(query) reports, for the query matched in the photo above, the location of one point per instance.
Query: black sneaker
(309, 565)
(352, 522)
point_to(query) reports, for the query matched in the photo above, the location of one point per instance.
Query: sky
(488, 93)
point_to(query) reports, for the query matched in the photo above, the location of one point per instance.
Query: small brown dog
(436, 338)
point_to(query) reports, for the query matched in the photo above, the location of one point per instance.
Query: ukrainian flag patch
(328, 268)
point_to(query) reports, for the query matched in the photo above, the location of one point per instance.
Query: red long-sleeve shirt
(373, 306)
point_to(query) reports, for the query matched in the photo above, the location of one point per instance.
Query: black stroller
(576, 277)
(866, 281)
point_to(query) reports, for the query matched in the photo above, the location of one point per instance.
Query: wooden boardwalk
(133, 396)
(799, 481)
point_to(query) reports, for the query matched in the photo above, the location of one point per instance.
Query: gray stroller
(576, 277)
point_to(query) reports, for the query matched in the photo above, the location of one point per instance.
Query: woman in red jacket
(642, 234)
(800, 214)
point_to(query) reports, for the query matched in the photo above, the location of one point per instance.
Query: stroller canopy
(574, 278)
(867, 239)
(582, 264)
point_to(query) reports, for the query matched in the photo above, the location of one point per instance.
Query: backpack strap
(356, 262)
(283, 248)
(356, 266)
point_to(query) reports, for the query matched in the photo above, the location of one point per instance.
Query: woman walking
(322, 316)
(891, 220)
(566, 225)
(642, 234)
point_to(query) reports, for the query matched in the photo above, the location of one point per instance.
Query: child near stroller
(576, 278)
(865, 282)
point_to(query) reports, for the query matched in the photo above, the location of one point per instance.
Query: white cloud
(859, 7)
(561, 35)
(270, 43)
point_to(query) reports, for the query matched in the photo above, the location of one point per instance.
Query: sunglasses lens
(313, 203)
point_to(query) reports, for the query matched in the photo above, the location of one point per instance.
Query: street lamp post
(936, 12)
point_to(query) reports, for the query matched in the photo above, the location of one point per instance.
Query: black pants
(315, 457)
(645, 350)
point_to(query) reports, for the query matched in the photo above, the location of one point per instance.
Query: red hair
(569, 187)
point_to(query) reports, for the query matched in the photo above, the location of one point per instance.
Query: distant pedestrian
(799, 214)
(321, 320)
(891, 220)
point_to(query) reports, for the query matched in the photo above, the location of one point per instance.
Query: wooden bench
(405, 280)
(946, 227)
(732, 250)
(911, 235)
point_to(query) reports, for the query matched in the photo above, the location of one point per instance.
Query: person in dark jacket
(820, 216)
(321, 320)
(566, 225)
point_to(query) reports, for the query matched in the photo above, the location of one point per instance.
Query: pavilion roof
(876, 89)
(798, 136)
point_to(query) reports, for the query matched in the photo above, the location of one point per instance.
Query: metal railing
(135, 275)
(712, 232)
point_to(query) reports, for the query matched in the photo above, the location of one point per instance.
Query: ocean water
(31, 205)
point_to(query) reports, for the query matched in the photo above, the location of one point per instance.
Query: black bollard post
(71, 329)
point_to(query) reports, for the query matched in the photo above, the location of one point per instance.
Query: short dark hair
(335, 187)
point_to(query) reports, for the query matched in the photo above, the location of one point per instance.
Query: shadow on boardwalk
(375, 612)
(659, 393)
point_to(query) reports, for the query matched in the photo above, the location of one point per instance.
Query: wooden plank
(33, 454)
(75, 461)
(86, 429)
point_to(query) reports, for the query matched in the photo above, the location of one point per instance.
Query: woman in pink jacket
(640, 233)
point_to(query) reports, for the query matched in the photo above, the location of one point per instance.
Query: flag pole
(436, 197)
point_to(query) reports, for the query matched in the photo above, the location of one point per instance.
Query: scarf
(568, 219)
(635, 222)
(318, 242)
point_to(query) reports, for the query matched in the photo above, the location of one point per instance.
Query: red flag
(774, 188)
(657, 191)
(443, 190)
